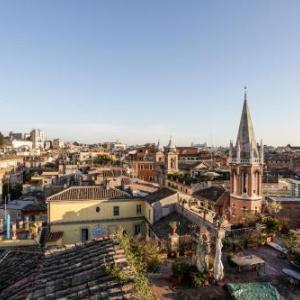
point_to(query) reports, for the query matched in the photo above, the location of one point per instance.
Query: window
(137, 229)
(97, 209)
(139, 209)
(116, 211)
(244, 183)
(84, 234)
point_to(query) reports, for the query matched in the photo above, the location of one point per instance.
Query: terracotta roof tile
(79, 272)
(88, 193)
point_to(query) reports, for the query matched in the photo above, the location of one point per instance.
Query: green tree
(102, 160)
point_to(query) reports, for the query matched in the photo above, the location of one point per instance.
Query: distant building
(38, 138)
(279, 187)
(58, 144)
(17, 144)
(153, 162)
(48, 145)
(290, 210)
(203, 145)
(16, 136)
(115, 146)
(295, 149)
(295, 187)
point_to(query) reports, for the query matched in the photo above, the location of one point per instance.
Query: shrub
(272, 225)
(137, 267)
(180, 268)
(227, 243)
(184, 271)
(198, 279)
(149, 252)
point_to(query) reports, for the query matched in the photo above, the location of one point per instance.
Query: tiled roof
(14, 267)
(158, 195)
(78, 272)
(224, 200)
(189, 166)
(35, 207)
(212, 193)
(113, 173)
(54, 236)
(88, 193)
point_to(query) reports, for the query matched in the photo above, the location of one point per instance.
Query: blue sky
(141, 70)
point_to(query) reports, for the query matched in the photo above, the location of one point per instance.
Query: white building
(58, 143)
(16, 144)
(295, 184)
(117, 146)
(38, 138)
(48, 145)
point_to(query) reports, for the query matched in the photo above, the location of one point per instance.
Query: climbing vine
(137, 266)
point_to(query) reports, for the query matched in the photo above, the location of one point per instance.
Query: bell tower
(171, 158)
(246, 168)
(159, 153)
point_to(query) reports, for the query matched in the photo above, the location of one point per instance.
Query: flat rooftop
(285, 199)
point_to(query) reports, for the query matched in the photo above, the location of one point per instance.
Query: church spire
(171, 146)
(158, 146)
(246, 137)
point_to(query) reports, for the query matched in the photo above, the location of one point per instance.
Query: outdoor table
(248, 260)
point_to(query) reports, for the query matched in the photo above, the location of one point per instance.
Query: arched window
(257, 183)
(234, 182)
(244, 182)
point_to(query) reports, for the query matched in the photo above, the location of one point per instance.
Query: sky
(138, 71)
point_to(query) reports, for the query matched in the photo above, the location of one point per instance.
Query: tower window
(116, 210)
(244, 182)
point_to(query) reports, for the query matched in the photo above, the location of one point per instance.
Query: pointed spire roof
(246, 137)
(171, 145)
(158, 146)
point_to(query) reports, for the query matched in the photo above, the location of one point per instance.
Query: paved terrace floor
(165, 289)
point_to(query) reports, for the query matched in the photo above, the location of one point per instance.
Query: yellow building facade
(84, 213)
